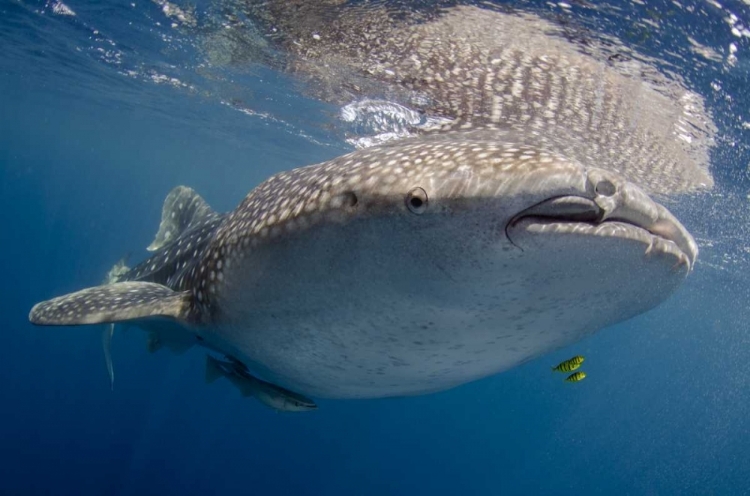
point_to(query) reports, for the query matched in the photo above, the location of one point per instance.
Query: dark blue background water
(87, 155)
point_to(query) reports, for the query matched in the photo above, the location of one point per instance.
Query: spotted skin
(113, 302)
(174, 265)
(482, 68)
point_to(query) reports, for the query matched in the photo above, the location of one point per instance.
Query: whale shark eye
(349, 199)
(416, 201)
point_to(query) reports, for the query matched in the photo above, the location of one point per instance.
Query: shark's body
(402, 269)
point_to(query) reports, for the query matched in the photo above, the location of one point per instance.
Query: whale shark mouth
(582, 216)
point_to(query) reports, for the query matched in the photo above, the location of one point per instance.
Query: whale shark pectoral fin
(117, 302)
(183, 207)
(107, 334)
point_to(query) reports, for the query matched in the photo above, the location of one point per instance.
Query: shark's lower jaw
(653, 244)
(583, 217)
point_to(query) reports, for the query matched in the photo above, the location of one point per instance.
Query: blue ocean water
(104, 107)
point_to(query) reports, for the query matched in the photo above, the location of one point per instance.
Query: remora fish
(270, 395)
(406, 268)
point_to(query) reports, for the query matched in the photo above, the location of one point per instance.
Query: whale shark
(524, 218)
(406, 268)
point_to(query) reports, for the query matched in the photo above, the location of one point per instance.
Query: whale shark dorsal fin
(117, 302)
(213, 369)
(183, 208)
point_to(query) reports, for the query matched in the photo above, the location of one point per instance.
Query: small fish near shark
(273, 396)
(406, 268)
(569, 365)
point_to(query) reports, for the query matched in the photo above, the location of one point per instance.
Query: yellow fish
(575, 377)
(569, 365)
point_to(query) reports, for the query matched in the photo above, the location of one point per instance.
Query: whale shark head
(430, 251)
